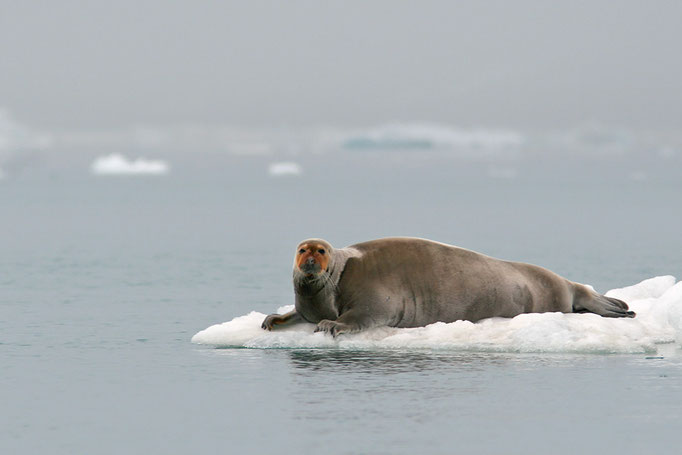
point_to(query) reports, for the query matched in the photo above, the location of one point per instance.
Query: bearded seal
(411, 282)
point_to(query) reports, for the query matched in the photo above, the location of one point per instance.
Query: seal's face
(312, 258)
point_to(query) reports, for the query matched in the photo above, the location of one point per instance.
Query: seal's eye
(301, 251)
(321, 251)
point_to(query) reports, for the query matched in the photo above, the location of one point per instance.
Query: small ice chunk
(284, 168)
(117, 164)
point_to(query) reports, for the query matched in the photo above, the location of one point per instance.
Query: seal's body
(409, 282)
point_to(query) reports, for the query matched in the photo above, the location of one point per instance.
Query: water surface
(103, 282)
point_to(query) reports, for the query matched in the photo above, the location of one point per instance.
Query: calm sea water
(103, 281)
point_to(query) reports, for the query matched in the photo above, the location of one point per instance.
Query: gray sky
(523, 64)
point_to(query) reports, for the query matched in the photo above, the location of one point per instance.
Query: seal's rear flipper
(602, 305)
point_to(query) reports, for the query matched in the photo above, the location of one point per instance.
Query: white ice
(117, 164)
(284, 168)
(657, 301)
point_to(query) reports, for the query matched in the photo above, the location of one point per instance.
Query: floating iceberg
(657, 301)
(284, 168)
(117, 164)
(428, 136)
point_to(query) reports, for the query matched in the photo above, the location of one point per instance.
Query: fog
(79, 65)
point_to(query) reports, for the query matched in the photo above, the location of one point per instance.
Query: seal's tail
(603, 306)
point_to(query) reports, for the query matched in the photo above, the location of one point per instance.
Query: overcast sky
(89, 64)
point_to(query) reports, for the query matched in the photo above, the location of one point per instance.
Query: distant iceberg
(284, 169)
(117, 164)
(15, 136)
(432, 136)
(657, 301)
(593, 139)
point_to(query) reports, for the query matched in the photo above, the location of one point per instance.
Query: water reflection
(411, 361)
(390, 362)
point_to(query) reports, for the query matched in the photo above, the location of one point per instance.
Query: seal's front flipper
(607, 307)
(352, 320)
(334, 328)
(280, 319)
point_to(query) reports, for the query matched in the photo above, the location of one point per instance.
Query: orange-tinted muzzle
(312, 259)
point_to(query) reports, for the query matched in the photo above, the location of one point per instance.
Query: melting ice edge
(657, 302)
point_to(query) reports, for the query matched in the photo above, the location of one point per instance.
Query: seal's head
(313, 257)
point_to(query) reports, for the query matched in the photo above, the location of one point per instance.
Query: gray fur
(409, 282)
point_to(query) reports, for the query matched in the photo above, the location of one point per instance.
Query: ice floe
(117, 164)
(657, 301)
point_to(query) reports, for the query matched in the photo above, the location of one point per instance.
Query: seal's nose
(310, 261)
